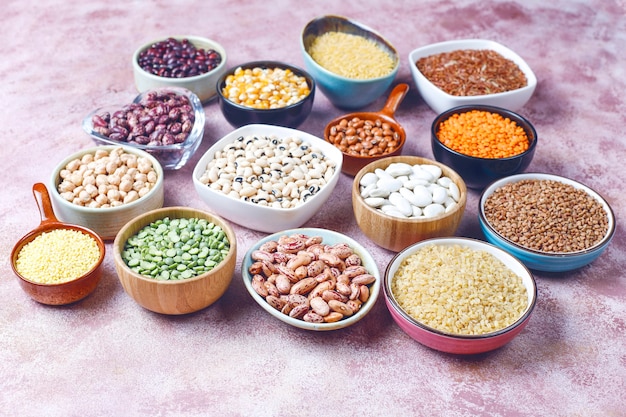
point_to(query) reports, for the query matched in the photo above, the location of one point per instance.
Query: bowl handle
(395, 98)
(43, 202)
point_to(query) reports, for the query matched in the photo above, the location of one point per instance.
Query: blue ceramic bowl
(342, 92)
(478, 172)
(290, 116)
(544, 261)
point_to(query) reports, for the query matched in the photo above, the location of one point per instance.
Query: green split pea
(170, 249)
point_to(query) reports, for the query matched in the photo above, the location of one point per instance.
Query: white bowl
(264, 218)
(329, 237)
(440, 101)
(106, 222)
(203, 85)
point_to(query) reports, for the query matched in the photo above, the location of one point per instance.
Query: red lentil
(469, 72)
(483, 134)
(364, 137)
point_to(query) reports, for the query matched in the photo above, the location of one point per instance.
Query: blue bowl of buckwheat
(550, 223)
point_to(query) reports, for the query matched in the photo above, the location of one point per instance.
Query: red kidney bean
(161, 118)
(172, 58)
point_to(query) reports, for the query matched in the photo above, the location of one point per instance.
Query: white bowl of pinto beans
(312, 279)
(471, 71)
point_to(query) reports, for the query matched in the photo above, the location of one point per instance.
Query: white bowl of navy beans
(282, 177)
(549, 222)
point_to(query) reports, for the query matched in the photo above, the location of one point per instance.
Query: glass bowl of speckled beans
(551, 223)
(471, 71)
(483, 143)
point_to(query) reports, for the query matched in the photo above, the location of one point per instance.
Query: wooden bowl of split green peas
(175, 260)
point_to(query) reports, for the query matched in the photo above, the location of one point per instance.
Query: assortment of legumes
(107, 178)
(364, 137)
(58, 256)
(307, 279)
(265, 88)
(351, 56)
(179, 248)
(174, 58)
(160, 118)
(410, 191)
(269, 170)
(483, 134)
(470, 72)
(547, 216)
(459, 290)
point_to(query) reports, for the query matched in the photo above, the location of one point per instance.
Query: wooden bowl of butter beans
(175, 260)
(401, 200)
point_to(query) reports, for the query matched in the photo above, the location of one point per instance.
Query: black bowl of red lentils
(266, 92)
(483, 143)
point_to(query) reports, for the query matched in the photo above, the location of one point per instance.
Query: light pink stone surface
(107, 356)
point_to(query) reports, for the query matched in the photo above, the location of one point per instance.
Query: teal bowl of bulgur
(459, 295)
(352, 64)
(57, 263)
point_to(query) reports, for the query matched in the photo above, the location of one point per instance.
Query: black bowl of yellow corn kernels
(266, 92)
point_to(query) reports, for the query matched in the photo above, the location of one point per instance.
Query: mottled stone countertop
(106, 355)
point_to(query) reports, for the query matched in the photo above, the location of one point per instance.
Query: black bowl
(479, 172)
(290, 116)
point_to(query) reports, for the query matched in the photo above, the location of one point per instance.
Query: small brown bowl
(182, 296)
(65, 292)
(353, 163)
(394, 233)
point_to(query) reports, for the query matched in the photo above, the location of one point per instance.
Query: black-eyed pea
(340, 307)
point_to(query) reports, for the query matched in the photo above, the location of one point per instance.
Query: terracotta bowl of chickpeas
(364, 137)
(103, 187)
(266, 92)
(483, 143)
(57, 263)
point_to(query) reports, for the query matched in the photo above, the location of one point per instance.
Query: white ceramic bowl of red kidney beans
(166, 122)
(444, 80)
(190, 62)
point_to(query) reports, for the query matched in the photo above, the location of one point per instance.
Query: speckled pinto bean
(364, 137)
(106, 179)
(333, 284)
(160, 118)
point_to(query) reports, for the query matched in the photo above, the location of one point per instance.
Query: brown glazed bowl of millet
(190, 62)
(57, 263)
(549, 222)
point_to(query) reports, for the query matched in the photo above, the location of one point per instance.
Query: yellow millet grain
(57, 256)
(459, 290)
(351, 56)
